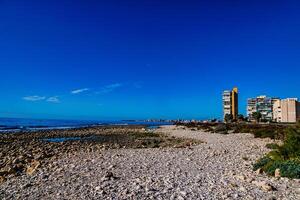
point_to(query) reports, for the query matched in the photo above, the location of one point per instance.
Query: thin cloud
(34, 98)
(54, 99)
(79, 90)
(109, 88)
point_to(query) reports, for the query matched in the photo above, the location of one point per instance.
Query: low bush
(264, 133)
(288, 168)
(272, 146)
(285, 157)
(220, 128)
(261, 163)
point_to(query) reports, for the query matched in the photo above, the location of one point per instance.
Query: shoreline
(218, 167)
(4, 129)
(21, 149)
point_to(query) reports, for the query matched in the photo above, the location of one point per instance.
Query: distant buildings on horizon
(271, 108)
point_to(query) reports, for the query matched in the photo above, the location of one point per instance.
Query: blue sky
(144, 59)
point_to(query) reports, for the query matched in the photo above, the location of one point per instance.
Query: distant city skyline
(144, 59)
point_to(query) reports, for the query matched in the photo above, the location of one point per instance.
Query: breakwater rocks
(219, 167)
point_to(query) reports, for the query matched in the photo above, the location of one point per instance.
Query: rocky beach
(132, 162)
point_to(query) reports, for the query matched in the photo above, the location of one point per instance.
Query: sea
(20, 124)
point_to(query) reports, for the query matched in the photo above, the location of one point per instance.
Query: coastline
(215, 167)
(12, 125)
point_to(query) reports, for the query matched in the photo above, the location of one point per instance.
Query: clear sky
(97, 59)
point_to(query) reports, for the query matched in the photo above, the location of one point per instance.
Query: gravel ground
(219, 168)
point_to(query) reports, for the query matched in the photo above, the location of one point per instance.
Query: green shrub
(289, 168)
(285, 157)
(264, 133)
(292, 142)
(272, 146)
(261, 163)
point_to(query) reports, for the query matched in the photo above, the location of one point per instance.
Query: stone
(180, 198)
(33, 167)
(271, 198)
(108, 176)
(264, 186)
(259, 171)
(277, 173)
(241, 177)
(97, 188)
(138, 187)
(7, 170)
(2, 179)
(111, 167)
(242, 189)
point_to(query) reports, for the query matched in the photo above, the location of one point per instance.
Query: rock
(7, 170)
(271, 198)
(108, 176)
(259, 171)
(138, 187)
(26, 185)
(277, 173)
(183, 193)
(111, 167)
(264, 186)
(97, 188)
(2, 179)
(180, 198)
(250, 179)
(267, 187)
(33, 167)
(242, 189)
(241, 177)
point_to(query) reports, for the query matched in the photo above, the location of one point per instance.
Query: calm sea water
(18, 124)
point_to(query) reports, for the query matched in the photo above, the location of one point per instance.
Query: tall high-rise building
(286, 110)
(234, 103)
(230, 103)
(261, 104)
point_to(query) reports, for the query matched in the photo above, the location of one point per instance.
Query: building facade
(230, 103)
(251, 107)
(277, 116)
(263, 105)
(286, 110)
